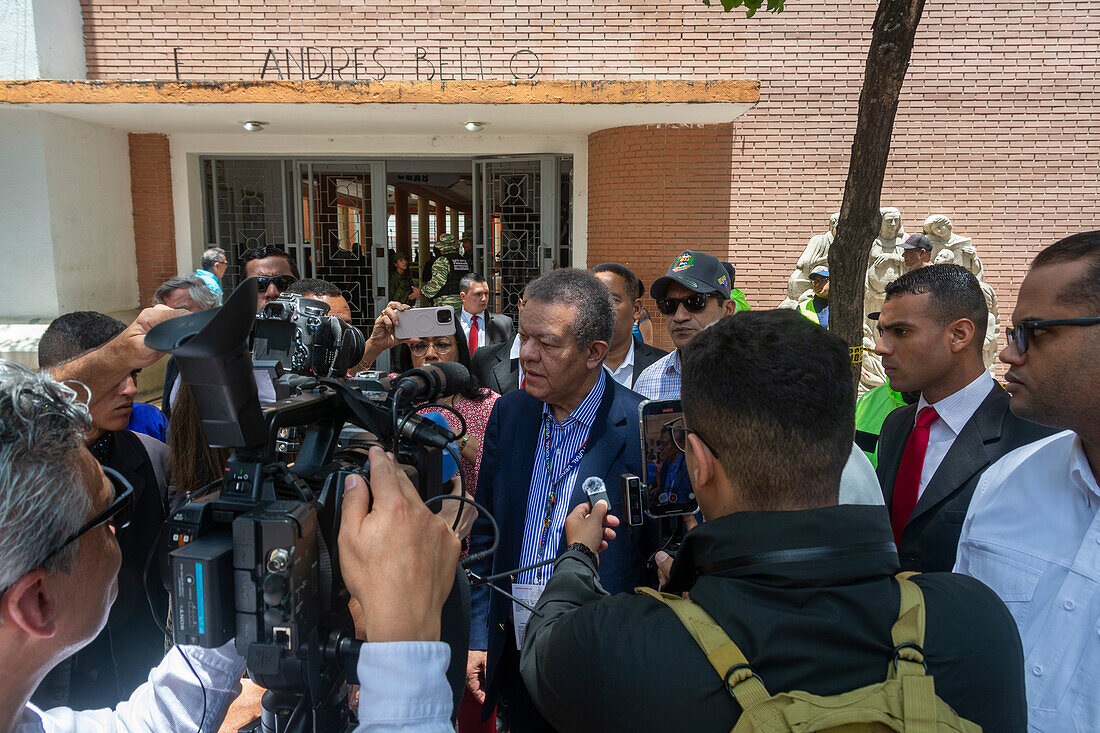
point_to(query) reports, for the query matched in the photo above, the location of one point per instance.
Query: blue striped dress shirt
(567, 441)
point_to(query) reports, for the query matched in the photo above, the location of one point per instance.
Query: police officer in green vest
(817, 307)
(447, 271)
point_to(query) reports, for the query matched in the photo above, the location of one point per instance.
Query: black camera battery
(202, 580)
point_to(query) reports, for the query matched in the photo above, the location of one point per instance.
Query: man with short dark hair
(481, 327)
(1032, 533)
(120, 657)
(916, 251)
(324, 291)
(803, 586)
(214, 265)
(693, 294)
(932, 454)
(571, 422)
(627, 356)
(272, 267)
(189, 293)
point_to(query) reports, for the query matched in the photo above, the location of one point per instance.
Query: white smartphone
(423, 322)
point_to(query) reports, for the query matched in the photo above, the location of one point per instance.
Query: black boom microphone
(429, 382)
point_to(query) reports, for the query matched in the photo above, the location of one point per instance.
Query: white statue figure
(885, 263)
(816, 253)
(949, 247)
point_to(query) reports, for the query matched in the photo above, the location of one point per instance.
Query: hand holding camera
(398, 558)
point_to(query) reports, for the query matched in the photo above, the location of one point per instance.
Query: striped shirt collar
(585, 412)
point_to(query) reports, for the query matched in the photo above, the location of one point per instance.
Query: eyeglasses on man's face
(695, 303)
(281, 282)
(441, 346)
(117, 513)
(679, 436)
(1021, 334)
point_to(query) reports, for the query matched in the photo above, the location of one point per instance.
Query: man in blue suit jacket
(587, 424)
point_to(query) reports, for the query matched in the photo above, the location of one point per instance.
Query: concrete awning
(386, 107)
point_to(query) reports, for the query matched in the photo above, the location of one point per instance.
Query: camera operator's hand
(381, 336)
(591, 526)
(398, 559)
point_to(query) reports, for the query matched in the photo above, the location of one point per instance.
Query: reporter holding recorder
(59, 562)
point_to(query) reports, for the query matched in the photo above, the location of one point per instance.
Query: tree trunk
(891, 45)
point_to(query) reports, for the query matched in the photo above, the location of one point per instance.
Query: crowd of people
(929, 554)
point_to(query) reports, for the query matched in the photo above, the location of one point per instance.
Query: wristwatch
(463, 441)
(584, 550)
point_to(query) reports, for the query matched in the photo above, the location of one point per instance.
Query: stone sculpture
(884, 264)
(816, 253)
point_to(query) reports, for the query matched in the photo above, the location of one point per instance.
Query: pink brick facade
(996, 127)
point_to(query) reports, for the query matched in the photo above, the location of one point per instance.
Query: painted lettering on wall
(369, 63)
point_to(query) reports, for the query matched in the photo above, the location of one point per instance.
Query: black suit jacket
(494, 368)
(503, 485)
(499, 328)
(931, 537)
(644, 355)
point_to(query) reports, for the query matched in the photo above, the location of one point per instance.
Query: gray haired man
(214, 265)
(191, 293)
(569, 421)
(59, 562)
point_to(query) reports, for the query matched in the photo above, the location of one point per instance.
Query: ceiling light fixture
(253, 125)
(473, 126)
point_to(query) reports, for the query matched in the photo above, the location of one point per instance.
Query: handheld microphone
(595, 490)
(430, 382)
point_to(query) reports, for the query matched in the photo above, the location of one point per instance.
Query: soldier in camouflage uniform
(447, 271)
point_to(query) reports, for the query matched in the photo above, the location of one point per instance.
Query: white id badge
(528, 593)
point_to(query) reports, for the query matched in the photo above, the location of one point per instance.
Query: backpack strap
(727, 659)
(908, 664)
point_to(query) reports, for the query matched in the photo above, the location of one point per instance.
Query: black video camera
(259, 563)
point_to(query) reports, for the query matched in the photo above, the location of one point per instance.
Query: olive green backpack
(905, 701)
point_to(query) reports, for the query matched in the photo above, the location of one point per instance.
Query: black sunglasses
(117, 514)
(695, 303)
(1020, 334)
(282, 282)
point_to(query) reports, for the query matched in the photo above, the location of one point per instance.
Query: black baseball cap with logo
(696, 271)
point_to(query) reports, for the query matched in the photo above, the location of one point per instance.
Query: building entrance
(345, 220)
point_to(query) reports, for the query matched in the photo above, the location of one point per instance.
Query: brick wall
(655, 191)
(154, 224)
(995, 129)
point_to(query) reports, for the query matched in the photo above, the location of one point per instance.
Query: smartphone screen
(667, 482)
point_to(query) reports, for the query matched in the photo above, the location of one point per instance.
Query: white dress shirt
(403, 686)
(1032, 535)
(624, 375)
(467, 318)
(514, 354)
(954, 413)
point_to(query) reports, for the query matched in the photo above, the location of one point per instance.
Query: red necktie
(472, 340)
(907, 482)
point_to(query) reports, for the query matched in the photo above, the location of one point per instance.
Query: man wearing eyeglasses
(694, 293)
(120, 657)
(274, 269)
(932, 453)
(1033, 530)
(59, 560)
(803, 586)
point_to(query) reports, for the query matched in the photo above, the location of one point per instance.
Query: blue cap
(820, 271)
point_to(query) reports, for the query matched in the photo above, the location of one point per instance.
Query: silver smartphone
(425, 322)
(668, 490)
